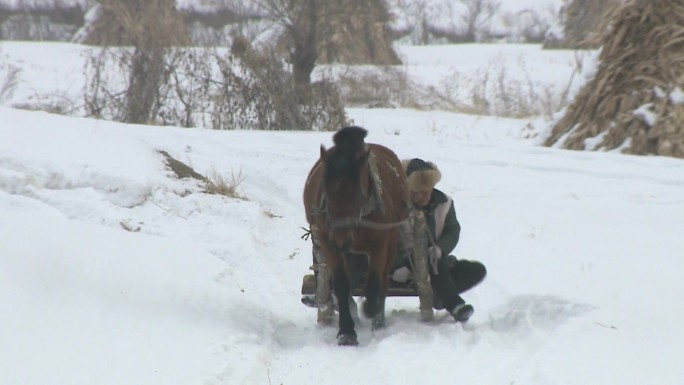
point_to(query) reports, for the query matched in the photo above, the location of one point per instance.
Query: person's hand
(434, 254)
(401, 274)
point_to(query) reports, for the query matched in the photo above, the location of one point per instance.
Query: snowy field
(114, 272)
(53, 74)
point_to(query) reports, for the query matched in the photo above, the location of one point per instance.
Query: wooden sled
(408, 290)
(418, 287)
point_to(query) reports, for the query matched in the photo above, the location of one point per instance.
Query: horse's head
(345, 184)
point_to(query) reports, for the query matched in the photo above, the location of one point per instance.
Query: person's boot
(310, 300)
(462, 312)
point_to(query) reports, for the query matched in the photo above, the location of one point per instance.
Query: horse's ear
(323, 151)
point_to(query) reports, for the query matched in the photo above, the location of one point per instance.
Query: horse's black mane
(342, 161)
(350, 136)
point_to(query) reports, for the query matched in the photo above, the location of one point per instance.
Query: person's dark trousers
(453, 279)
(467, 274)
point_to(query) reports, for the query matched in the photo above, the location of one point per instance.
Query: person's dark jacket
(440, 216)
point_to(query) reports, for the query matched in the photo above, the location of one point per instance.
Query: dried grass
(219, 185)
(9, 79)
(216, 184)
(494, 90)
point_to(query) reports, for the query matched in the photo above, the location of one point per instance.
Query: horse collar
(372, 198)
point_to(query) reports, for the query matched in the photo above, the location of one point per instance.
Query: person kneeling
(449, 276)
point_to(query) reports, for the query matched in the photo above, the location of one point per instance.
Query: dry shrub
(376, 87)
(150, 27)
(492, 90)
(191, 86)
(184, 97)
(257, 92)
(219, 185)
(55, 103)
(9, 79)
(41, 20)
(105, 71)
(203, 88)
(108, 93)
(635, 101)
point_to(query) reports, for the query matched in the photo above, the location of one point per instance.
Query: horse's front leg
(346, 336)
(379, 319)
(371, 304)
(324, 299)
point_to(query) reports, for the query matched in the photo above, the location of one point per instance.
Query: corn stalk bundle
(635, 102)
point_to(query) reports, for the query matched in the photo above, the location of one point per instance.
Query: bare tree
(479, 12)
(456, 21)
(151, 27)
(331, 30)
(298, 19)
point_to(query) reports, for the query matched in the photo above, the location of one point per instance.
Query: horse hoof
(378, 323)
(347, 340)
(427, 315)
(370, 310)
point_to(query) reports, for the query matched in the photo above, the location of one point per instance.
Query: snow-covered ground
(114, 272)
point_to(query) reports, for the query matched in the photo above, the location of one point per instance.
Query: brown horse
(356, 198)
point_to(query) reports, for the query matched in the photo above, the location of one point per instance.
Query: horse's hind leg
(382, 284)
(374, 305)
(346, 335)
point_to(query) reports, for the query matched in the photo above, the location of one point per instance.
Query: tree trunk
(305, 52)
(145, 80)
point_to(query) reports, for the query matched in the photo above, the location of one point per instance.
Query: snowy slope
(583, 251)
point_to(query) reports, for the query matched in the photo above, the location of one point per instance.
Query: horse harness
(372, 201)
